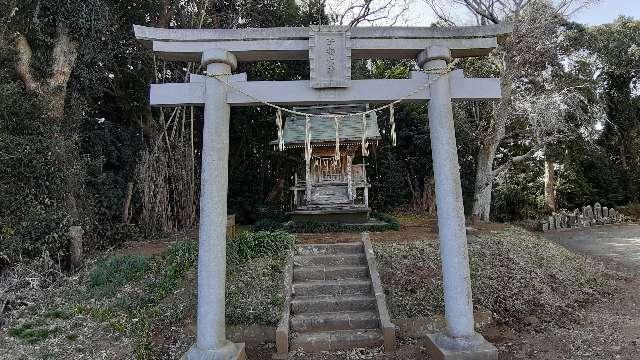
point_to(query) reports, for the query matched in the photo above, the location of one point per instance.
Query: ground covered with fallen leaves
(547, 302)
(139, 302)
(127, 304)
(517, 275)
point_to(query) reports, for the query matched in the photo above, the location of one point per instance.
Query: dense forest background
(80, 145)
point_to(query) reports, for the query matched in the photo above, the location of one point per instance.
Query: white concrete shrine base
(443, 347)
(230, 351)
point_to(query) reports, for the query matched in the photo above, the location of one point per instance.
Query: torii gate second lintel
(300, 92)
(329, 50)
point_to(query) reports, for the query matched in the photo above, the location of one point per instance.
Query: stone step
(318, 304)
(330, 260)
(306, 273)
(331, 249)
(331, 321)
(331, 288)
(337, 340)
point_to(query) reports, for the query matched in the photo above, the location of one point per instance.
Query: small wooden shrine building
(330, 187)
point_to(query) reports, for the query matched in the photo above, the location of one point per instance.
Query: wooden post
(366, 194)
(350, 177)
(295, 190)
(366, 185)
(307, 194)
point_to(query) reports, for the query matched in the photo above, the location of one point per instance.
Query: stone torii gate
(329, 49)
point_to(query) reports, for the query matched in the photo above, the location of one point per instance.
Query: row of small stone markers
(585, 217)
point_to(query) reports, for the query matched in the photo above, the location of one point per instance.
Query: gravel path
(620, 243)
(608, 330)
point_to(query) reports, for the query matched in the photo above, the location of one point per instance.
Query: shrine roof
(323, 128)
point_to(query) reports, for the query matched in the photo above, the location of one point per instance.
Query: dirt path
(620, 243)
(607, 330)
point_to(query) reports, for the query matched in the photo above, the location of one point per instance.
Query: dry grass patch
(522, 278)
(125, 306)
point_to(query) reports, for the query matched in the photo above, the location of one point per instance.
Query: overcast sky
(606, 11)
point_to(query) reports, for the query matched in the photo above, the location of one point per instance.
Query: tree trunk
(484, 182)
(487, 153)
(76, 249)
(126, 208)
(429, 195)
(415, 198)
(623, 155)
(549, 185)
(53, 91)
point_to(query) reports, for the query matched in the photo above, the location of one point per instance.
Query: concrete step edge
(328, 298)
(371, 314)
(312, 322)
(330, 249)
(319, 304)
(330, 260)
(329, 256)
(330, 267)
(334, 282)
(337, 340)
(330, 272)
(331, 287)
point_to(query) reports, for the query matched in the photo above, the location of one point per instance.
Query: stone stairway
(333, 306)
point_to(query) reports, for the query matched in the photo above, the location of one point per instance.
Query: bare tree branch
(514, 160)
(438, 9)
(64, 57)
(23, 64)
(355, 12)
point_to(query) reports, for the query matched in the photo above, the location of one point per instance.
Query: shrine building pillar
(459, 339)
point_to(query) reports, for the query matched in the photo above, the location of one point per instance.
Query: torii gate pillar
(211, 342)
(460, 341)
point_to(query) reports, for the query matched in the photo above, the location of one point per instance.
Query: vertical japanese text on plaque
(330, 56)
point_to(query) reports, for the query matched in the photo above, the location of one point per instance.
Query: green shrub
(390, 223)
(33, 332)
(269, 224)
(632, 211)
(35, 176)
(250, 245)
(175, 263)
(180, 257)
(118, 270)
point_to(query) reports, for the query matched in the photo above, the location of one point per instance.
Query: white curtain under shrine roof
(323, 128)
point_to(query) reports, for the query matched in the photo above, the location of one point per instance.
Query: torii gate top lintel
(292, 43)
(329, 50)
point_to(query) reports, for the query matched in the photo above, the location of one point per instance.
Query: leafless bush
(372, 12)
(166, 176)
